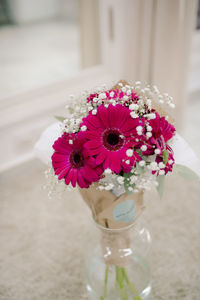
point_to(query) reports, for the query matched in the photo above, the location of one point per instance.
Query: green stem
(105, 281)
(130, 285)
(119, 279)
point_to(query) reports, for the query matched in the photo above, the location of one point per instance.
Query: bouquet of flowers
(115, 138)
(115, 144)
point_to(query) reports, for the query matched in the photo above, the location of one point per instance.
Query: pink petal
(102, 114)
(130, 126)
(63, 173)
(62, 146)
(74, 177)
(88, 173)
(101, 157)
(106, 163)
(63, 165)
(124, 114)
(91, 122)
(93, 144)
(94, 151)
(58, 157)
(81, 182)
(69, 176)
(93, 134)
(58, 170)
(115, 162)
(113, 116)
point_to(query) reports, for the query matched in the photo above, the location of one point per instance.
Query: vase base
(144, 295)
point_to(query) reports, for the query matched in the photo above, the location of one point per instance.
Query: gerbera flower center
(112, 139)
(76, 159)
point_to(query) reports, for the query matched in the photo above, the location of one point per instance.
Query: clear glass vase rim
(107, 229)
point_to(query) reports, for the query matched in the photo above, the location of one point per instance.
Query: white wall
(69, 9)
(25, 11)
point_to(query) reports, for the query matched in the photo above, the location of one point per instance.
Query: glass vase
(118, 268)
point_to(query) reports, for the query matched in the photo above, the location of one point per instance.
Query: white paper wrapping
(183, 153)
(43, 148)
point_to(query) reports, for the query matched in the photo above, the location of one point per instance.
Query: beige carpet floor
(42, 241)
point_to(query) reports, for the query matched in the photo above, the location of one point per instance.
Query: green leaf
(185, 172)
(60, 118)
(160, 188)
(127, 182)
(165, 156)
(139, 152)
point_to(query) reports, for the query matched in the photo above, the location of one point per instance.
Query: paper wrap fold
(104, 204)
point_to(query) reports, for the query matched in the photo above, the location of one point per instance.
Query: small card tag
(125, 212)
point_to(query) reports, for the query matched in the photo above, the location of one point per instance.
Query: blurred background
(50, 49)
(46, 43)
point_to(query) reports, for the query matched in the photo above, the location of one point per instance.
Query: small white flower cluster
(157, 167)
(54, 186)
(79, 108)
(141, 105)
(141, 178)
(72, 124)
(109, 181)
(147, 97)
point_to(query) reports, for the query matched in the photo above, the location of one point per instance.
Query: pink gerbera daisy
(162, 131)
(110, 133)
(72, 162)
